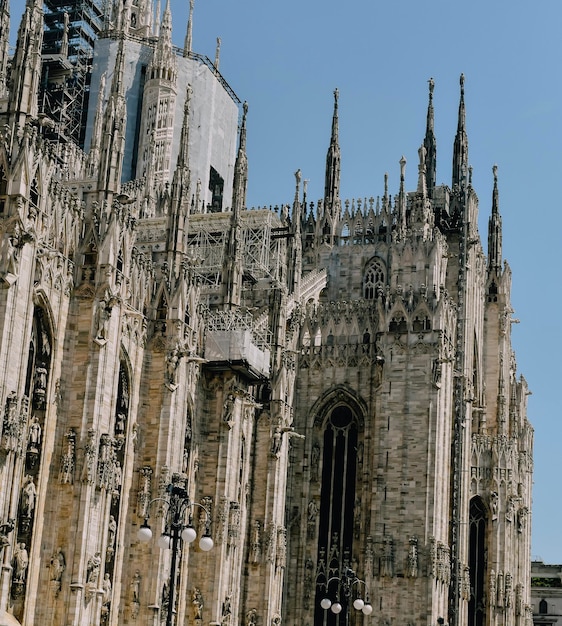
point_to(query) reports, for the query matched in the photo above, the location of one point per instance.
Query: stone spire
(460, 149)
(422, 172)
(189, 35)
(495, 230)
(114, 124)
(180, 193)
(183, 154)
(158, 105)
(4, 43)
(218, 54)
(164, 59)
(233, 275)
(295, 242)
(26, 65)
(240, 183)
(430, 144)
(402, 199)
(385, 199)
(96, 140)
(333, 164)
(156, 25)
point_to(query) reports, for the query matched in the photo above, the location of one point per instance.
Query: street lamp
(345, 585)
(177, 504)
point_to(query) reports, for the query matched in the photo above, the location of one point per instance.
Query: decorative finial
(462, 83)
(218, 53)
(189, 34)
(422, 184)
(402, 167)
(431, 88)
(336, 96)
(421, 153)
(495, 173)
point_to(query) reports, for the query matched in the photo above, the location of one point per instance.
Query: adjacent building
(546, 593)
(327, 390)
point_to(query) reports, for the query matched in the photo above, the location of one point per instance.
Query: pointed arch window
(375, 276)
(34, 193)
(120, 261)
(344, 239)
(477, 563)
(337, 502)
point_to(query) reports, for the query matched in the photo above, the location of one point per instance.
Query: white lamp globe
(325, 603)
(206, 543)
(367, 609)
(358, 604)
(164, 541)
(144, 534)
(336, 608)
(188, 534)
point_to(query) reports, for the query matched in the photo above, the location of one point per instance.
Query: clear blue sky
(285, 58)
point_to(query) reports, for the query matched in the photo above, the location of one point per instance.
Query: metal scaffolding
(71, 28)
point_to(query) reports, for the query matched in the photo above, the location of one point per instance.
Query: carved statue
(197, 601)
(228, 408)
(89, 457)
(226, 609)
(103, 316)
(106, 587)
(40, 385)
(522, 518)
(111, 531)
(35, 433)
(387, 559)
(413, 558)
(93, 569)
(311, 520)
(10, 429)
(28, 497)
(5, 529)
(120, 425)
(20, 563)
(57, 565)
(276, 442)
(314, 462)
(494, 504)
(135, 587)
(172, 363)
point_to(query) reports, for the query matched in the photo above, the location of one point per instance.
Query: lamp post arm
(166, 502)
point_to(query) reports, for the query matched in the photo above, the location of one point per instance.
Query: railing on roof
(151, 41)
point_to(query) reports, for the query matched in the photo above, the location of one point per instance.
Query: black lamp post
(344, 588)
(176, 530)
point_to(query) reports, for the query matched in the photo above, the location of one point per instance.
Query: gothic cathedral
(324, 395)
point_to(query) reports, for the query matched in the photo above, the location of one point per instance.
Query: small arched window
(543, 607)
(374, 276)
